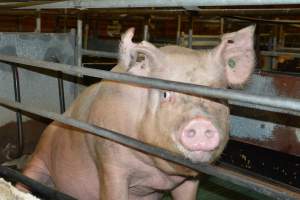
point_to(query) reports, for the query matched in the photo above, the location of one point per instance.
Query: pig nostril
(191, 133)
(209, 133)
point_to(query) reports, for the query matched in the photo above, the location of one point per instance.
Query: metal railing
(266, 188)
(270, 103)
(290, 105)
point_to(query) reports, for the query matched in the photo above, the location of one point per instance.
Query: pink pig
(89, 167)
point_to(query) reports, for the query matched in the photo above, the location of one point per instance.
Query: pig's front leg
(113, 183)
(187, 190)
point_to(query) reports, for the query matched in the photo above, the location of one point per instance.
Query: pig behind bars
(89, 167)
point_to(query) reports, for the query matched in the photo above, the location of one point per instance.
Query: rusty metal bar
(255, 184)
(290, 105)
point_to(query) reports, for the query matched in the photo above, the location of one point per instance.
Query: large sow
(89, 167)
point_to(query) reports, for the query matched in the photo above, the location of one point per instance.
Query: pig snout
(200, 135)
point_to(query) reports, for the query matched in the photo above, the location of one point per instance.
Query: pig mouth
(198, 156)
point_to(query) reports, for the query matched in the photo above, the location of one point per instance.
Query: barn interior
(264, 141)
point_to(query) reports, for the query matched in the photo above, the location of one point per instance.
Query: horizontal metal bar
(155, 3)
(104, 54)
(258, 20)
(243, 180)
(289, 104)
(248, 12)
(266, 108)
(277, 53)
(164, 11)
(35, 187)
(107, 54)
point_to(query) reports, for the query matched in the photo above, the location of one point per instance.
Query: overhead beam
(85, 4)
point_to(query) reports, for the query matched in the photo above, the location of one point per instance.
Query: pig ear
(237, 54)
(137, 58)
(126, 45)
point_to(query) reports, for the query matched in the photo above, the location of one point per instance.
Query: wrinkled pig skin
(89, 167)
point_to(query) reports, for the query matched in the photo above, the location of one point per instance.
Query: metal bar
(274, 46)
(86, 35)
(104, 54)
(35, 187)
(190, 36)
(248, 12)
(107, 54)
(75, 4)
(259, 107)
(78, 53)
(146, 27)
(288, 104)
(178, 29)
(266, 21)
(278, 53)
(222, 25)
(38, 23)
(79, 41)
(62, 104)
(65, 20)
(141, 11)
(20, 135)
(243, 180)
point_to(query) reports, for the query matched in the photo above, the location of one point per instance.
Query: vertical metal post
(61, 92)
(274, 47)
(146, 29)
(222, 25)
(78, 60)
(178, 30)
(96, 33)
(79, 41)
(86, 34)
(19, 25)
(60, 80)
(65, 20)
(20, 136)
(145, 37)
(281, 37)
(38, 23)
(190, 37)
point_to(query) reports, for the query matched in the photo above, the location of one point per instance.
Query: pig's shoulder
(80, 108)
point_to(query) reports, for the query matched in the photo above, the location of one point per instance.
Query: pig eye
(166, 95)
